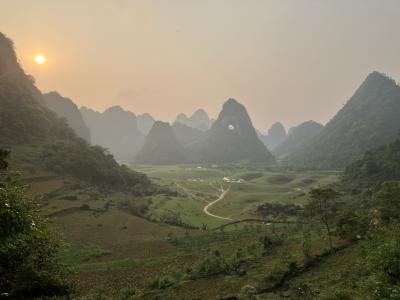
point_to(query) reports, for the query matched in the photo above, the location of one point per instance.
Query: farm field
(248, 188)
(109, 248)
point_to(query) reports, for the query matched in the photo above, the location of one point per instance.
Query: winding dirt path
(205, 209)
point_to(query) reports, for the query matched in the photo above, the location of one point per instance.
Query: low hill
(161, 147)
(297, 137)
(39, 140)
(67, 109)
(232, 138)
(186, 134)
(115, 129)
(368, 120)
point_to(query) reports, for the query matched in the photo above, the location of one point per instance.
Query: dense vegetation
(92, 164)
(376, 167)
(28, 251)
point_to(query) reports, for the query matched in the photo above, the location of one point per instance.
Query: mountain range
(42, 142)
(115, 129)
(199, 120)
(297, 136)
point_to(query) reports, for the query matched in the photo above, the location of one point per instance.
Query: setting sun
(40, 59)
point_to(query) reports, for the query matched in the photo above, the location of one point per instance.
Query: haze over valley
(187, 158)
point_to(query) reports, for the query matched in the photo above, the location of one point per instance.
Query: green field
(109, 248)
(199, 185)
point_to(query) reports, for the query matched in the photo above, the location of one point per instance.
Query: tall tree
(323, 207)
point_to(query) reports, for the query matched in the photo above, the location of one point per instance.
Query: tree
(388, 201)
(28, 262)
(323, 207)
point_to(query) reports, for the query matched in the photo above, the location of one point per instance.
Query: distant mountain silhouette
(186, 134)
(232, 138)
(297, 137)
(40, 140)
(275, 136)
(199, 120)
(368, 120)
(67, 109)
(115, 129)
(144, 123)
(161, 147)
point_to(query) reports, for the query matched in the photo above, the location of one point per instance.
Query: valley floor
(110, 249)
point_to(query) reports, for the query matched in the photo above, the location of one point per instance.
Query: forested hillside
(297, 137)
(368, 120)
(376, 166)
(40, 140)
(67, 109)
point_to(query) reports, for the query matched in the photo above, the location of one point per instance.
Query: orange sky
(286, 60)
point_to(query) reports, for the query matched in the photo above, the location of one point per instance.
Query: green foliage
(278, 209)
(369, 120)
(387, 200)
(92, 164)
(215, 263)
(323, 207)
(376, 167)
(381, 264)
(28, 261)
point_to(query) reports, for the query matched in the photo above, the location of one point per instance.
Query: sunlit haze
(287, 61)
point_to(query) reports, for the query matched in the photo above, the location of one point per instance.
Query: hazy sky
(285, 60)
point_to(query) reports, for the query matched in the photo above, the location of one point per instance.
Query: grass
(77, 254)
(198, 186)
(110, 247)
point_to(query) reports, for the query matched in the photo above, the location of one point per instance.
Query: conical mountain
(368, 120)
(115, 129)
(186, 134)
(44, 141)
(67, 109)
(161, 147)
(200, 120)
(275, 136)
(297, 137)
(232, 138)
(144, 123)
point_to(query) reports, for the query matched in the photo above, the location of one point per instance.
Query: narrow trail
(205, 209)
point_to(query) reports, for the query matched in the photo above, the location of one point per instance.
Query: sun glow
(40, 59)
